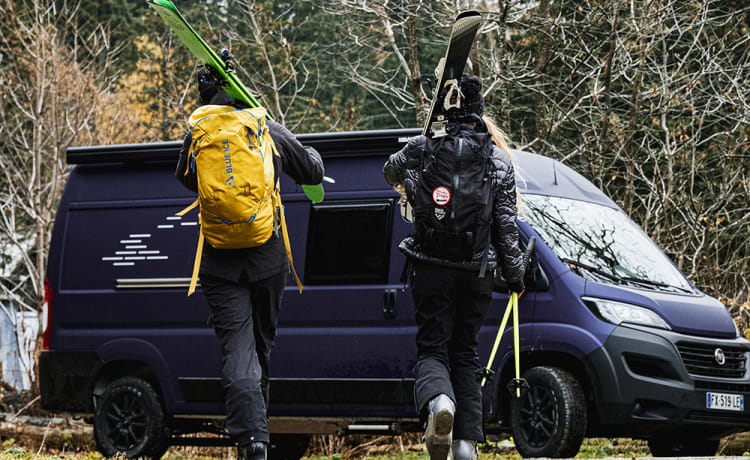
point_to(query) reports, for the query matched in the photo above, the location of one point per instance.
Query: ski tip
(162, 3)
(314, 192)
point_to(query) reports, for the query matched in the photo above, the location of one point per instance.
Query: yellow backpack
(238, 192)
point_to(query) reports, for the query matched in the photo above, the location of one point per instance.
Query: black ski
(450, 69)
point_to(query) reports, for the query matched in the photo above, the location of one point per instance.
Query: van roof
(540, 175)
(536, 174)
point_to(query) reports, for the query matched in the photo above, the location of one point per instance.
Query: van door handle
(389, 304)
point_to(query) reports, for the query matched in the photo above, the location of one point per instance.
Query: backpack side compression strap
(277, 205)
(196, 264)
(285, 235)
(198, 250)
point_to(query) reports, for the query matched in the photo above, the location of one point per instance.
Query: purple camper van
(615, 341)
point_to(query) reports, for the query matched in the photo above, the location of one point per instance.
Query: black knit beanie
(472, 102)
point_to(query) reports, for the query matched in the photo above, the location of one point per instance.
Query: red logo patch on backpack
(441, 196)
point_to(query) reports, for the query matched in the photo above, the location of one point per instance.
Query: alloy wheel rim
(538, 416)
(126, 421)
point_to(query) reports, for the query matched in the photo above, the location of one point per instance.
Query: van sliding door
(348, 339)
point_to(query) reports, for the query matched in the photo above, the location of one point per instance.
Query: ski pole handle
(528, 252)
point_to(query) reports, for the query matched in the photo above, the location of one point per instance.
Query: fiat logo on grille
(719, 356)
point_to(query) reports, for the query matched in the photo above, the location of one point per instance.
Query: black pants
(244, 317)
(450, 307)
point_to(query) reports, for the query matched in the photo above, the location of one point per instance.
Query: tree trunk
(416, 75)
(544, 56)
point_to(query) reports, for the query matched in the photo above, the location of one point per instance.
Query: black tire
(129, 421)
(549, 420)
(681, 446)
(288, 446)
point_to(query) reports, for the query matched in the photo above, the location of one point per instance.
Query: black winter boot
(462, 449)
(253, 451)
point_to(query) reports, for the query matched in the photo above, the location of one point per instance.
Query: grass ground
(381, 449)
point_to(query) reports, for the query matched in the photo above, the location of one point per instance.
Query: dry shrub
(358, 446)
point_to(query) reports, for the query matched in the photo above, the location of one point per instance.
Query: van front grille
(704, 385)
(700, 359)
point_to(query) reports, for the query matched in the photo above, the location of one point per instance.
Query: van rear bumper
(642, 386)
(64, 379)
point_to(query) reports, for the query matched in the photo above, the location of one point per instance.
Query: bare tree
(288, 78)
(50, 102)
(380, 48)
(648, 100)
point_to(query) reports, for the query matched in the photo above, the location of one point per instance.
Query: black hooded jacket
(403, 167)
(303, 164)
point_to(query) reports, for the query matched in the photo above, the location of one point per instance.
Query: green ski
(208, 57)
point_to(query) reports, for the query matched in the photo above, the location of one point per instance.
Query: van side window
(349, 242)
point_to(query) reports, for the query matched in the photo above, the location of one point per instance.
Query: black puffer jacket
(403, 167)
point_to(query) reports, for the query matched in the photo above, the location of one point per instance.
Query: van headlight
(619, 312)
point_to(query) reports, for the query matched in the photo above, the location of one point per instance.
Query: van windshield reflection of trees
(601, 244)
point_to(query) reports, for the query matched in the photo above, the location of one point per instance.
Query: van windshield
(601, 243)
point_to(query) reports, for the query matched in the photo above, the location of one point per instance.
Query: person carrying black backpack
(462, 190)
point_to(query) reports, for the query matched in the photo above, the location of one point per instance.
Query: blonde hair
(503, 142)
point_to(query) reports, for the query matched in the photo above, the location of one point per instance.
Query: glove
(516, 286)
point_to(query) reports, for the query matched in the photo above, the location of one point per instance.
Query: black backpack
(453, 198)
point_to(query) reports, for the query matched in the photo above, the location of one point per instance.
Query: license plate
(724, 401)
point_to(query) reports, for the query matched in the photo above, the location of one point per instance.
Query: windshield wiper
(654, 283)
(598, 271)
(621, 279)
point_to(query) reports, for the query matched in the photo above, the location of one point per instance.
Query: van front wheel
(549, 420)
(129, 421)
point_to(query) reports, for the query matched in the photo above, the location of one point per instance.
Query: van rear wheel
(549, 420)
(129, 421)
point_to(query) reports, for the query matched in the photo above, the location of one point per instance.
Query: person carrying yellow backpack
(232, 157)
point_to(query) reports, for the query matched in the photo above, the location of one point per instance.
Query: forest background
(648, 99)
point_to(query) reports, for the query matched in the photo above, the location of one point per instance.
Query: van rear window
(349, 243)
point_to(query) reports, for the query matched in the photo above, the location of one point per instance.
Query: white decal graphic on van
(135, 248)
(130, 257)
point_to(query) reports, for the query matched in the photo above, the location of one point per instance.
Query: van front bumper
(642, 386)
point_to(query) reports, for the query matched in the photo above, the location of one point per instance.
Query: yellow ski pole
(498, 338)
(516, 354)
(512, 307)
